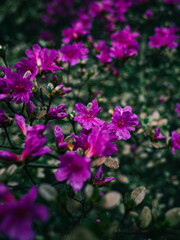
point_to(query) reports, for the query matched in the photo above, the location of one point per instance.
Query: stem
(73, 125)
(5, 62)
(34, 165)
(49, 105)
(9, 140)
(68, 72)
(22, 109)
(29, 175)
(42, 98)
(10, 107)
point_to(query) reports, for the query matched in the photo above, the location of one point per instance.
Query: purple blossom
(175, 141)
(34, 143)
(5, 194)
(59, 136)
(148, 14)
(38, 60)
(57, 112)
(74, 168)
(164, 37)
(87, 118)
(9, 156)
(20, 121)
(16, 217)
(99, 143)
(73, 53)
(177, 109)
(80, 141)
(98, 178)
(157, 135)
(123, 120)
(21, 87)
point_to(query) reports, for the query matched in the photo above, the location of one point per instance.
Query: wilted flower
(123, 120)
(87, 118)
(17, 216)
(175, 141)
(74, 168)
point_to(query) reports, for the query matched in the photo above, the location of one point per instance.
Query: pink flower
(74, 53)
(175, 141)
(177, 109)
(98, 178)
(164, 37)
(57, 112)
(87, 118)
(148, 14)
(123, 120)
(157, 135)
(74, 168)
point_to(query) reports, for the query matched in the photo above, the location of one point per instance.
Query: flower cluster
(164, 37)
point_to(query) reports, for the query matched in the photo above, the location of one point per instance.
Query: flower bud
(30, 108)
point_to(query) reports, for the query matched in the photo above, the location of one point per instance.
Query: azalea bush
(89, 120)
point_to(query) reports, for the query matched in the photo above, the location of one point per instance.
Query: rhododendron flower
(30, 108)
(177, 109)
(157, 135)
(148, 14)
(73, 53)
(4, 83)
(5, 194)
(17, 216)
(104, 56)
(124, 44)
(175, 141)
(164, 37)
(34, 143)
(87, 118)
(80, 141)
(99, 143)
(98, 178)
(74, 168)
(9, 156)
(20, 121)
(21, 87)
(57, 112)
(38, 60)
(123, 120)
(59, 136)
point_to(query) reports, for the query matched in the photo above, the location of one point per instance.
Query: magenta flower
(4, 83)
(38, 60)
(9, 156)
(124, 44)
(123, 120)
(74, 168)
(21, 87)
(98, 178)
(57, 112)
(164, 37)
(34, 143)
(27, 65)
(157, 136)
(59, 136)
(17, 217)
(104, 56)
(20, 121)
(73, 53)
(80, 141)
(177, 109)
(87, 118)
(5, 194)
(148, 14)
(175, 141)
(99, 143)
